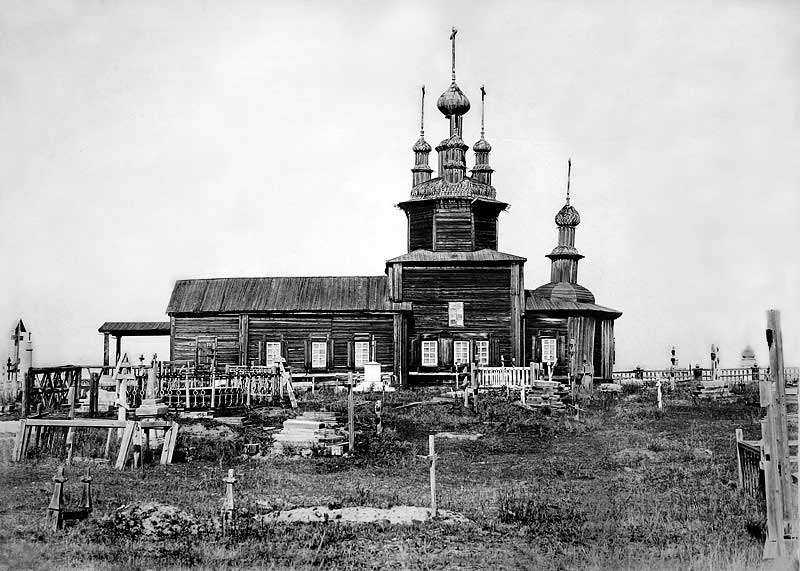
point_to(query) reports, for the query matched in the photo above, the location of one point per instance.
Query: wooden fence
(775, 477)
(502, 377)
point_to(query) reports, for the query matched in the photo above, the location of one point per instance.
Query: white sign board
(456, 313)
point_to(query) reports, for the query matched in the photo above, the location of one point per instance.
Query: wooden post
(779, 427)
(26, 392)
(106, 355)
(86, 495)
(19, 442)
(70, 442)
(118, 347)
(739, 438)
(213, 387)
(138, 459)
(658, 390)
(432, 461)
(187, 403)
(378, 415)
(107, 450)
(55, 511)
(351, 424)
(228, 511)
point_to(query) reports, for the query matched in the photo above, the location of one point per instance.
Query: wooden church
(453, 298)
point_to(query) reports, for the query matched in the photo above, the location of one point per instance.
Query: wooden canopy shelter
(120, 329)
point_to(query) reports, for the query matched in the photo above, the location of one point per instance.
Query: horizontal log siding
(420, 229)
(186, 330)
(295, 330)
(486, 293)
(453, 227)
(485, 230)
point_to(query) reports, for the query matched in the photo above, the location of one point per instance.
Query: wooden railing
(502, 377)
(731, 376)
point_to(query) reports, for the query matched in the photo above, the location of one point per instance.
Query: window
(455, 310)
(273, 352)
(461, 352)
(430, 350)
(548, 350)
(361, 353)
(319, 355)
(482, 350)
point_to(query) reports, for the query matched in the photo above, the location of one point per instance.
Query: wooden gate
(49, 387)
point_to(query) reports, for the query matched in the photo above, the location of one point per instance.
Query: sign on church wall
(456, 313)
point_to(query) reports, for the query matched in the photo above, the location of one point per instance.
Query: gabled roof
(135, 328)
(536, 304)
(222, 295)
(429, 256)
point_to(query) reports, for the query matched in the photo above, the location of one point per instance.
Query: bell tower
(452, 212)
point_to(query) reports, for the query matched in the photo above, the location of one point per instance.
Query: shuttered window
(361, 353)
(482, 352)
(319, 354)
(430, 353)
(461, 352)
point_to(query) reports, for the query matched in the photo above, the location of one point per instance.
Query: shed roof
(340, 293)
(535, 304)
(484, 255)
(135, 328)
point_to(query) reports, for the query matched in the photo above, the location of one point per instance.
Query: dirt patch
(403, 515)
(199, 430)
(154, 520)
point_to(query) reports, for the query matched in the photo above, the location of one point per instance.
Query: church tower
(452, 212)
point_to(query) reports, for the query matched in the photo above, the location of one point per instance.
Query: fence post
(228, 513)
(739, 438)
(186, 386)
(350, 414)
(432, 460)
(213, 388)
(779, 425)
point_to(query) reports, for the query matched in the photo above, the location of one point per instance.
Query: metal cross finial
(453, 39)
(422, 114)
(483, 97)
(569, 174)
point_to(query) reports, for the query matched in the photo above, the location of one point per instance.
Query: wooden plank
(125, 445)
(19, 450)
(78, 423)
(739, 439)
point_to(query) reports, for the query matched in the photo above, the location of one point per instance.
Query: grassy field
(624, 487)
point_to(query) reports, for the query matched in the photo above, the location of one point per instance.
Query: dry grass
(626, 487)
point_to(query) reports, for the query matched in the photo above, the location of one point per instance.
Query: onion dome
(453, 101)
(482, 146)
(421, 146)
(568, 216)
(748, 353)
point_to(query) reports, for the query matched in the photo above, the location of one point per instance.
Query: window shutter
(533, 349)
(351, 358)
(494, 352)
(446, 351)
(473, 351)
(308, 354)
(262, 352)
(416, 352)
(329, 355)
(373, 349)
(561, 349)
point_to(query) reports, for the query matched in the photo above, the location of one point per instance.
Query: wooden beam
(106, 355)
(244, 328)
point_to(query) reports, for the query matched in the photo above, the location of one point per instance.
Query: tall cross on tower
(483, 98)
(569, 174)
(453, 39)
(422, 114)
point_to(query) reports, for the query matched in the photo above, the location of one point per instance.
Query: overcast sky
(145, 142)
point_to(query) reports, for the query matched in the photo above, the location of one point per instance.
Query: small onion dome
(568, 216)
(453, 101)
(421, 146)
(482, 146)
(748, 353)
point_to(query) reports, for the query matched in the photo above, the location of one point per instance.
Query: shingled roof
(535, 304)
(429, 256)
(223, 295)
